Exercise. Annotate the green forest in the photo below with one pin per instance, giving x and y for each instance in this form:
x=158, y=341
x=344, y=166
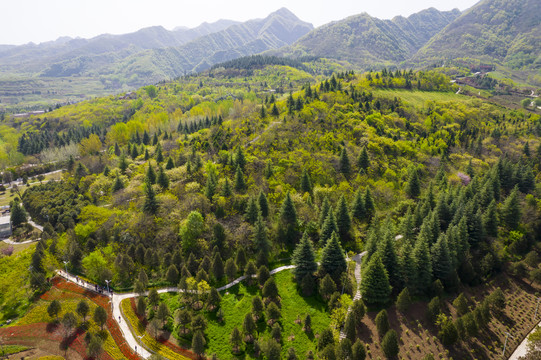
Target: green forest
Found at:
x=259, y=164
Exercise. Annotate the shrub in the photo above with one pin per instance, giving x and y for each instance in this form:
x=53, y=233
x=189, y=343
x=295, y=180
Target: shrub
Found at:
x=382, y=323
x=389, y=344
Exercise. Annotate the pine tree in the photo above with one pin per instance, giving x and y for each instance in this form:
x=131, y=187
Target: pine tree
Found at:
x=240, y=259
x=218, y=267
x=369, y=206
x=123, y=164
x=490, y=220
x=150, y=175
x=527, y=149
x=329, y=227
x=118, y=185
x=249, y=327
x=389, y=344
x=413, y=187
x=231, y=269
x=147, y=155
x=268, y=169
x=350, y=327
x=18, y=215
x=511, y=213
x=324, y=211
x=327, y=287
x=358, y=351
x=134, y=152
x=304, y=258
x=382, y=323
x=226, y=191
x=344, y=166
x=373, y=238
x=263, y=204
x=403, y=301
x=198, y=343
x=240, y=158
x=261, y=240
x=343, y=219
x=461, y=304
x=146, y=138
x=288, y=218
x=389, y=257
x=163, y=180
x=170, y=164
x=274, y=111
x=363, y=162
x=333, y=260
x=375, y=287
x=423, y=266
x=214, y=299
x=288, y=213
x=240, y=184
x=441, y=260
x=159, y=154
x=270, y=290
x=357, y=207
x=306, y=183
x=252, y=210
x=151, y=204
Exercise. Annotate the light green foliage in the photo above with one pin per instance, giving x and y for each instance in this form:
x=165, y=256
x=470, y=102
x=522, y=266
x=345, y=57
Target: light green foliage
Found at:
x=191, y=229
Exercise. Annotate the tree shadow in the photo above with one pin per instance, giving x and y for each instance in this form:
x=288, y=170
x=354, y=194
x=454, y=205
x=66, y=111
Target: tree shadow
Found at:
x=67, y=341
x=52, y=326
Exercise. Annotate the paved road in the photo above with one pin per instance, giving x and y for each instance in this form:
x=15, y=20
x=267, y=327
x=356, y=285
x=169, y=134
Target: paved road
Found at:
x=11, y=242
x=522, y=349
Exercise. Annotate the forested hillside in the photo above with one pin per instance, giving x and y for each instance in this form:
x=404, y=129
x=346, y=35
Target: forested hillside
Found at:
x=492, y=30
x=365, y=41
x=256, y=164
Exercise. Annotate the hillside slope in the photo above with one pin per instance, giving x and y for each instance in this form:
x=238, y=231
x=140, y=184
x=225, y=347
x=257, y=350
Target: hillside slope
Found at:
x=505, y=30
x=279, y=29
x=365, y=41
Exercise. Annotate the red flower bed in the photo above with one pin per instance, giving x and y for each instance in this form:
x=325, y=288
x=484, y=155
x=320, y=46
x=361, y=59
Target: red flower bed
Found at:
x=167, y=343
x=27, y=335
x=102, y=301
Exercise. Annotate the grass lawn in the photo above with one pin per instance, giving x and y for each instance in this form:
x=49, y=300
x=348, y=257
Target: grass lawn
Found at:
x=14, y=288
x=418, y=98
x=237, y=302
x=12, y=349
x=16, y=248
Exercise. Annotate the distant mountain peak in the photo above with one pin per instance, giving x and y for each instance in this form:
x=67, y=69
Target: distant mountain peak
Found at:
x=286, y=13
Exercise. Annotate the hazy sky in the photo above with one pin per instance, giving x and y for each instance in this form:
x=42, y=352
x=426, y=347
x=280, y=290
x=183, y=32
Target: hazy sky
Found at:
x=23, y=21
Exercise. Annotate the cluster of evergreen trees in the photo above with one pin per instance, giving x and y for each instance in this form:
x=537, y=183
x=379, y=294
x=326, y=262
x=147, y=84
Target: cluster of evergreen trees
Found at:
x=447, y=238
x=31, y=143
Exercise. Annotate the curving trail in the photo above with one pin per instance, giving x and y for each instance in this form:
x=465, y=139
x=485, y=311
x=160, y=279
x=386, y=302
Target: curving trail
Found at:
x=522, y=349
x=358, y=262
x=116, y=299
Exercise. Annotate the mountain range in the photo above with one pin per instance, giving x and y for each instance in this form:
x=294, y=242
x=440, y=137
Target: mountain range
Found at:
x=152, y=54
x=366, y=41
x=507, y=32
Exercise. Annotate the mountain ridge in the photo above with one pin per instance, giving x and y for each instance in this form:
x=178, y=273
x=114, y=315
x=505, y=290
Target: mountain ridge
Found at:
x=508, y=31
x=365, y=40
